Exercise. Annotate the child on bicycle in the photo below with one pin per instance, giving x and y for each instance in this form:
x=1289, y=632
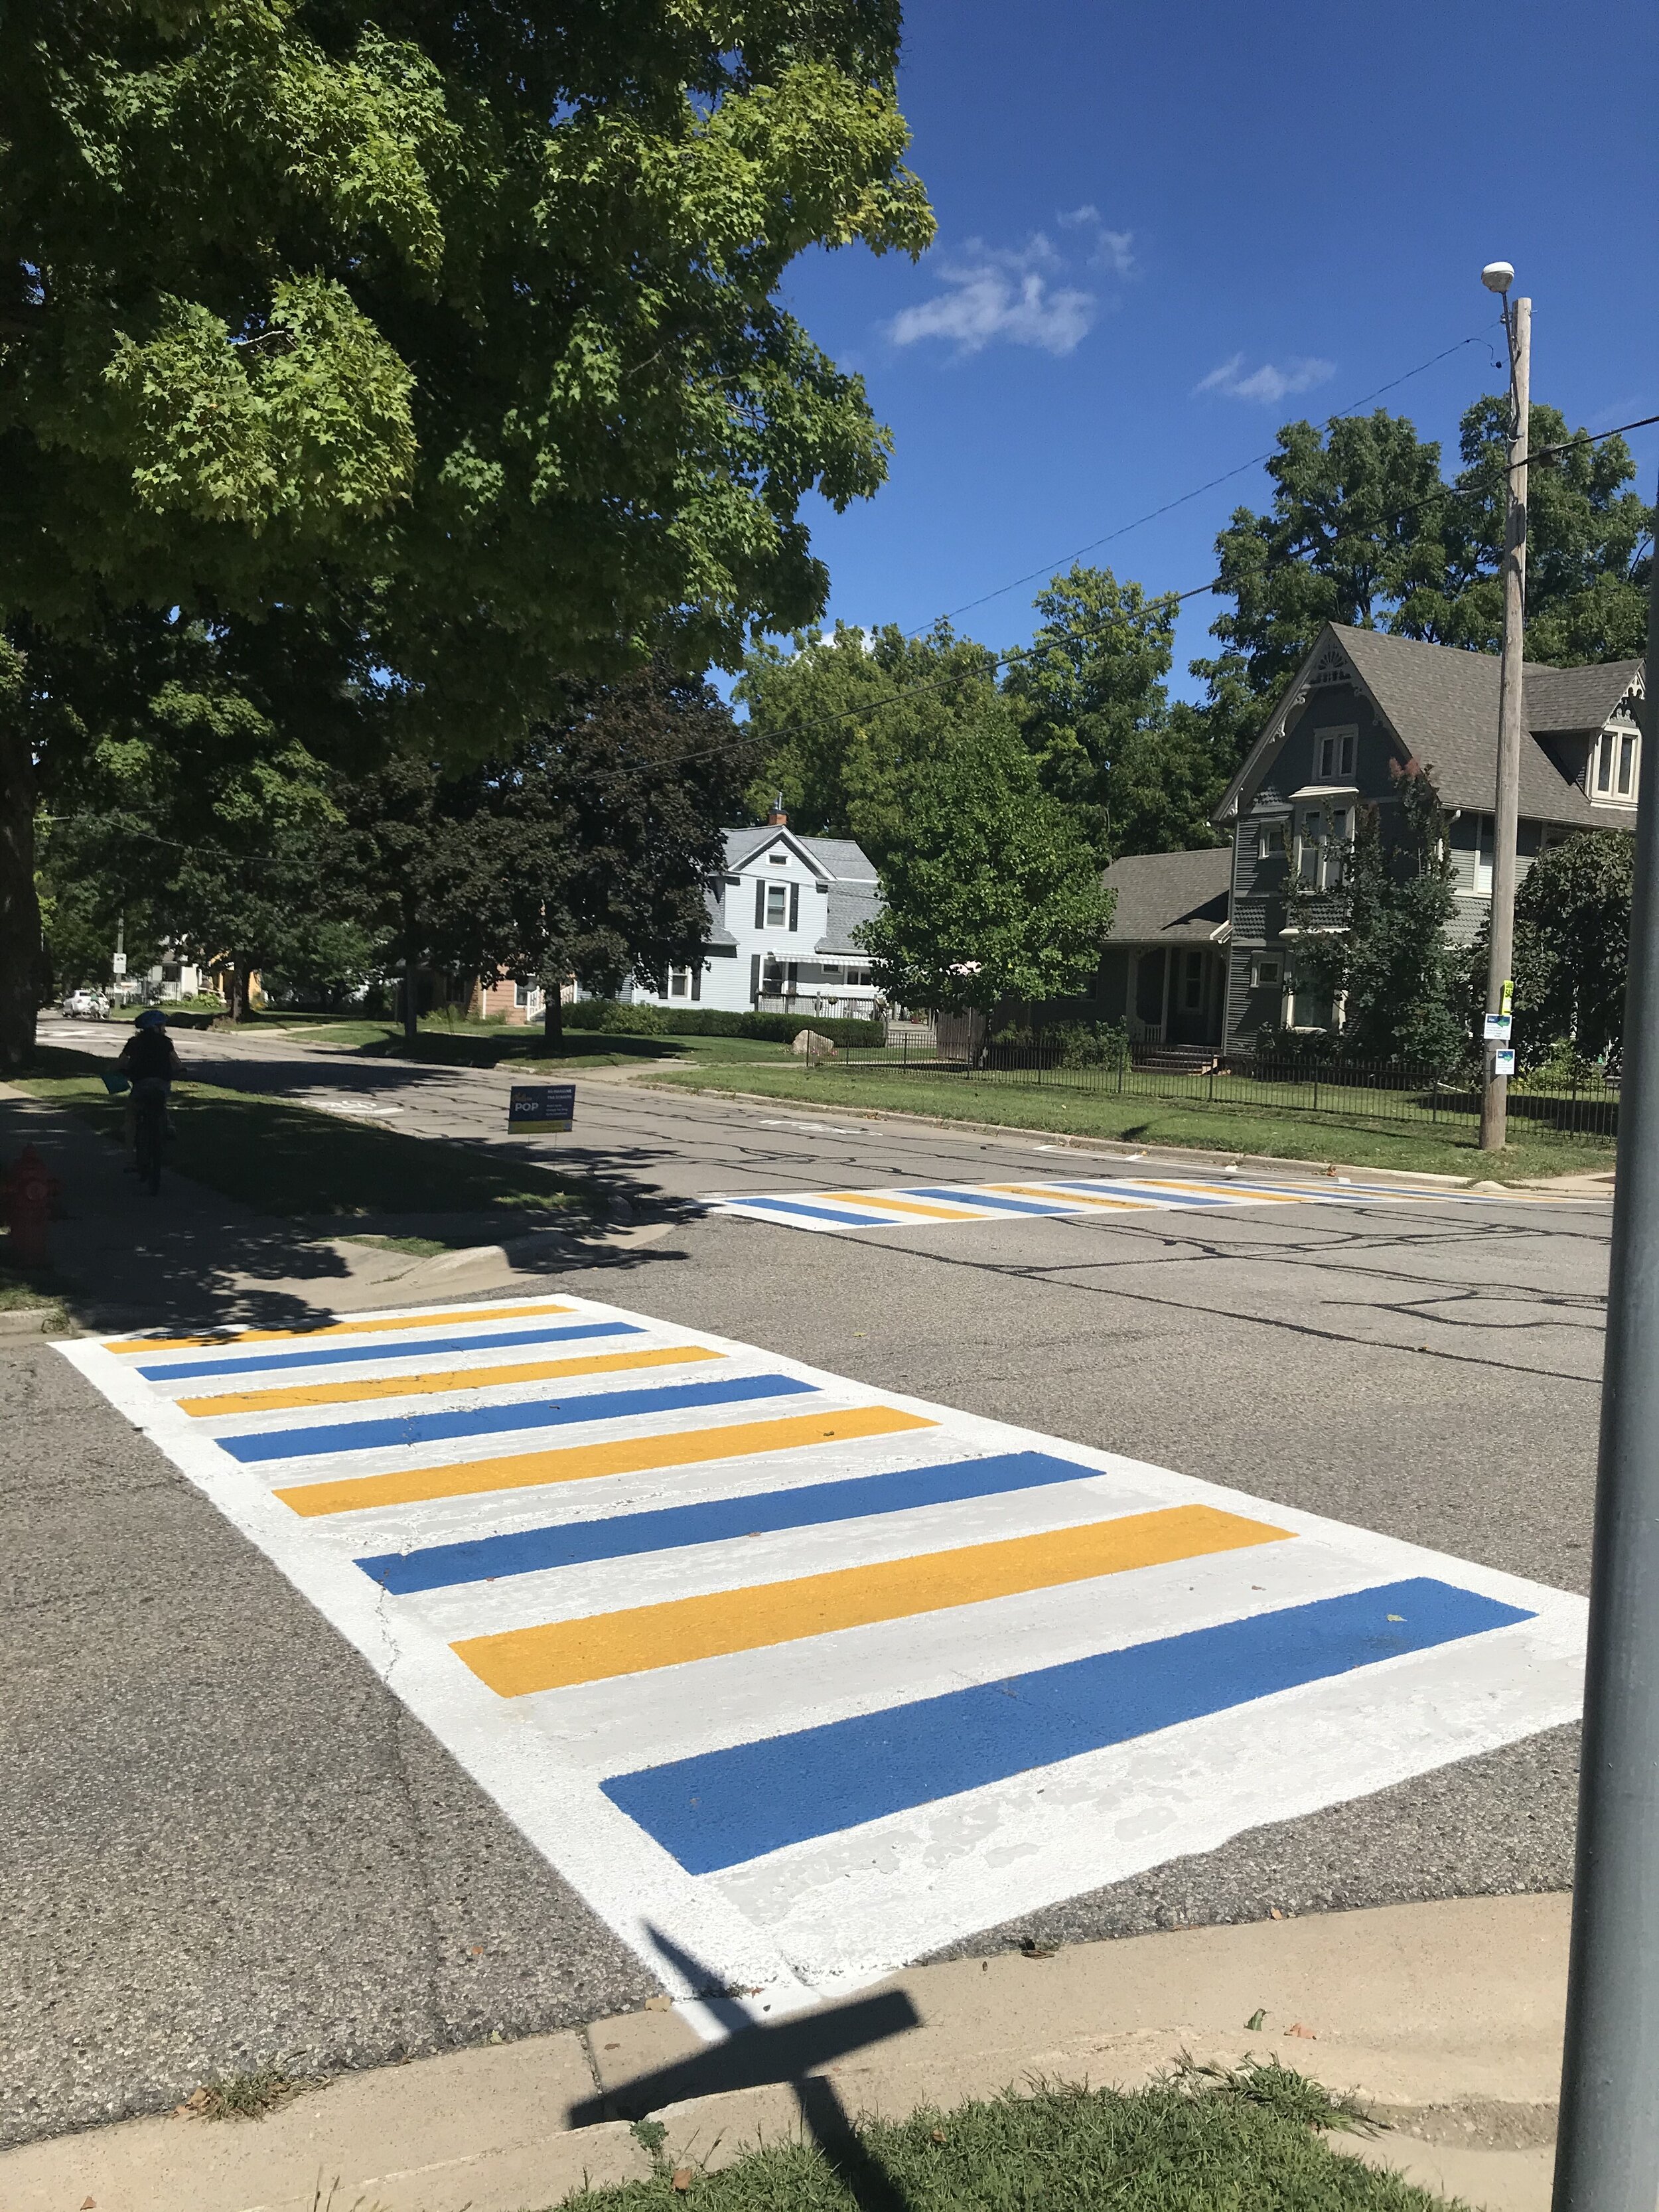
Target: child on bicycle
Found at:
x=150, y=1063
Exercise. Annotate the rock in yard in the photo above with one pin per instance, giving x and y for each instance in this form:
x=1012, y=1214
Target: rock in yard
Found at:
x=810, y=1046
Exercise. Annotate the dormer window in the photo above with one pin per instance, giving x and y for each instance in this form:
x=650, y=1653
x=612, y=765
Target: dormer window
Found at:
x=1615, y=766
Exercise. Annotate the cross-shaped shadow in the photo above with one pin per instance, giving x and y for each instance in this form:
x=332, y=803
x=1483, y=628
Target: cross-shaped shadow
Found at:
x=757, y=2054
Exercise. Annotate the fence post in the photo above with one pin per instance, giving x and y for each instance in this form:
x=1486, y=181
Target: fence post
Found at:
x=1211, y=1089
x=1315, y=1104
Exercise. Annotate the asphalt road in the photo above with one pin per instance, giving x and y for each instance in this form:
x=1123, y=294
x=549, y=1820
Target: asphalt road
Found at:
x=227, y=1843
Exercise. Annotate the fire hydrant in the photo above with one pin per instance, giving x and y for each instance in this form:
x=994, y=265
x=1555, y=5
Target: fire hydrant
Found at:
x=26, y=1191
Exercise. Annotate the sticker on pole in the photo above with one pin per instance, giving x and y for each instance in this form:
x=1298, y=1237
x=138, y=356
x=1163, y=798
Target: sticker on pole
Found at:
x=1503, y=1061
x=1498, y=1027
x=547, y=1106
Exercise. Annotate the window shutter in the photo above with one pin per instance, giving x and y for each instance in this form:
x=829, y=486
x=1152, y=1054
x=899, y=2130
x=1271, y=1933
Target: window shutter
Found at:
x=760, y=903
x=794, y=906
x=753, y=979
x=696, y=984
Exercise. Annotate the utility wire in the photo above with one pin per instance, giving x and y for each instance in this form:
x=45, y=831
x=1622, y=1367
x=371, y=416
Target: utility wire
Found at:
x=1050, y=567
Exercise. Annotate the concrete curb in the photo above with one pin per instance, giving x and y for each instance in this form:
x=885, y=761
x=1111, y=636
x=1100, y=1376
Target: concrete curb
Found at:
x=1161, y=1155
x=1445, y=2018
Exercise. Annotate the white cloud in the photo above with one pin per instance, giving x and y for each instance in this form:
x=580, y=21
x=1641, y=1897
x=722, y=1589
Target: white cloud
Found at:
x=1269, y=383
x=1110, y=248
x=995, y=293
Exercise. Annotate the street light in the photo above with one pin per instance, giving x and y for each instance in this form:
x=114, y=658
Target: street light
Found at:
x=1497, y=277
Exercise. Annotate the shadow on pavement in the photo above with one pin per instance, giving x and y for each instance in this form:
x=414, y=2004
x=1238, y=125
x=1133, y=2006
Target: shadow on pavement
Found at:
x=757, y=2056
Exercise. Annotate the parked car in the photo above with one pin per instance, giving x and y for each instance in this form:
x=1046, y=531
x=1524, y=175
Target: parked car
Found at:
x=86, y=1005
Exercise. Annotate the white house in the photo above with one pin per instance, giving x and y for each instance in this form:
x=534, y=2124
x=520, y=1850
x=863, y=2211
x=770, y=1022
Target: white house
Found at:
x=782, y=924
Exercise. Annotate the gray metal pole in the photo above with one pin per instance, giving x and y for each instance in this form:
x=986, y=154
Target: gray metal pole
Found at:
x=1494, y=1100
x=1607, y=2153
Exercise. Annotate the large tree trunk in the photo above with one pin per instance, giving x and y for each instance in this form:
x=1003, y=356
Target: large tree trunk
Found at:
x=553, y=1016
x=20, y=910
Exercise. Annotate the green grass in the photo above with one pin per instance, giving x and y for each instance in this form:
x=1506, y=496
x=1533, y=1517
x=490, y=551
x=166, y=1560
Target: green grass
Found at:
x=1256, y=1129
x=1248, y=2141
x=285, y=1159
x=418, y=1247
x=245, y=2096
x=22, y=1291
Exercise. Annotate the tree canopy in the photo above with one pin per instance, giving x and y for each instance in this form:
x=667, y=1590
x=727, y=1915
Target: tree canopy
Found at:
x=458, y=324
x=994, y=893
x=1573, y=947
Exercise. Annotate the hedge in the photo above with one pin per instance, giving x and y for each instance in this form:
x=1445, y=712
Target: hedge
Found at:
x=647, y=1020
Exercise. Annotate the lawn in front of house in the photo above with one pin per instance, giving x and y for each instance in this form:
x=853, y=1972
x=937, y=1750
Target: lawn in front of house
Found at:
x=1450, y=1149
x=1205, y=2141
x=291, y=1160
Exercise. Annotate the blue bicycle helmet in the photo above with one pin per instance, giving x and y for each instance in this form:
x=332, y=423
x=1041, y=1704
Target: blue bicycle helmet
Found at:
x=151, y=1018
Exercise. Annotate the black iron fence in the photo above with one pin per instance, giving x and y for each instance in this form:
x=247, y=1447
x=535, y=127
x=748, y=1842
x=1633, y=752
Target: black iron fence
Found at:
x=1577, y=1103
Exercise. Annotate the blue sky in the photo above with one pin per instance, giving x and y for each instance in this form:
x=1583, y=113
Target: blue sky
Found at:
x=1163, y=230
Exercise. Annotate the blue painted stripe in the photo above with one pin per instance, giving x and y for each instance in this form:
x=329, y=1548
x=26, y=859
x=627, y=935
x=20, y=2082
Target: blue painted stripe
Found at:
x=671, y=1527
x=182, y=1370
x=724, y=1807
x=820, y=1212
x=493, y=1420
x=983, y=1198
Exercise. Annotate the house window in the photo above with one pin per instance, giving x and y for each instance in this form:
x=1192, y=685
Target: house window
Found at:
x=1604, y=758
x=1629, y=752
x=1265, y=972
x=777, y=905
x=1311, y=849
x=778, y=860
x=1336, y=859
x=1483, y=847
x=859, y=975
x=679, y=984
x=1192, y=983
x=521, y=994
x=1270, y=840
x=1334, y=753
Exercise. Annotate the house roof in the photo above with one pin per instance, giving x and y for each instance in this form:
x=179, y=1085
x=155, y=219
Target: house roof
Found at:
x=837, y=858
x=1442, y=703
x=849, y=904
x=1170, y=899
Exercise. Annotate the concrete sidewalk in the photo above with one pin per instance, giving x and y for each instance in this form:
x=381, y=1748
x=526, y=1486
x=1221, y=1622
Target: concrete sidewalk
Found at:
x=188, y=1258
x=1444, y=2018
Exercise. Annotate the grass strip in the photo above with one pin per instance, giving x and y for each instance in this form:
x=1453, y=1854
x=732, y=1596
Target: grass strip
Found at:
x=1295, y=1136
x=286, y=1159
x=1202, y=2140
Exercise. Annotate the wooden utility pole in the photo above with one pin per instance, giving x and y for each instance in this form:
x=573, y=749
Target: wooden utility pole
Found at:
x=1494, y=1100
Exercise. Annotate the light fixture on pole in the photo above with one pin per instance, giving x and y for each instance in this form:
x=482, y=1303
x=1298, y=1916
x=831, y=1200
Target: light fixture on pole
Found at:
x=1497, y=277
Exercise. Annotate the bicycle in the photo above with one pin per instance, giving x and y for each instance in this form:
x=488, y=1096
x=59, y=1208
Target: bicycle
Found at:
x=149, y=1129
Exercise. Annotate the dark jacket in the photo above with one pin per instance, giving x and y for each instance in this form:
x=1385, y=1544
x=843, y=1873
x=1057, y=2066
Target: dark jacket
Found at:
x=149, y=1053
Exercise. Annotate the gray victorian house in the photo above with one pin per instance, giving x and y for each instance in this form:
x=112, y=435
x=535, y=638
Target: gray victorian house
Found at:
x=1203, y=947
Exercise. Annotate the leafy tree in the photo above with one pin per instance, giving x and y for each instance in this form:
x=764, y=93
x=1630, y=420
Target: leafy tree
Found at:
x=845, y=721
x=1364, y=530
x=458, y=317
x=1572, y=946
x=994, y=893
x=1379, y=943
x=599, y=840
x=1142, y=776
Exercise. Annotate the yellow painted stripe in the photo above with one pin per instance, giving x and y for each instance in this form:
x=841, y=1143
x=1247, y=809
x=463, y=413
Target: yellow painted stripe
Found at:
x=1224, y=1190
x=584, y=1462
x=1074, y=1197
x=458, y=1378
x=902, y=1205
x=231, y=1336
x=557, y=1654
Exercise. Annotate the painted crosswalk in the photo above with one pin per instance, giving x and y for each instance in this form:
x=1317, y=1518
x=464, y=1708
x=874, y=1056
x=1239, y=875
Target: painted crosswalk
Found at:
x=926, y=1206
x=804, y=1680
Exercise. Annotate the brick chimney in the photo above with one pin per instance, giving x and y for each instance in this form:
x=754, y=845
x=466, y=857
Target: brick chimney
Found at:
x=777, y=820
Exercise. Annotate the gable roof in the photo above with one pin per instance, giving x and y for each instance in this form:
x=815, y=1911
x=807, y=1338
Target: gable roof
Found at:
x=838, y=859
x=849, y=904
x=1170, y=899
x=1442, y=703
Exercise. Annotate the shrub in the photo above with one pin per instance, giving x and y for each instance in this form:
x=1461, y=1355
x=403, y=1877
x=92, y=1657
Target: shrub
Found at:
x=647, y=1020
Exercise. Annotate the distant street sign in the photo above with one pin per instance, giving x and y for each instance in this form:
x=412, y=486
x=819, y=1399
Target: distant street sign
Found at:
x=119, y=964
x=541, y=1106
x=1498, y=1028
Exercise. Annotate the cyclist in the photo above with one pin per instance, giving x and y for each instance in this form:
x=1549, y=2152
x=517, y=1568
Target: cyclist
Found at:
x=151, y=1065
